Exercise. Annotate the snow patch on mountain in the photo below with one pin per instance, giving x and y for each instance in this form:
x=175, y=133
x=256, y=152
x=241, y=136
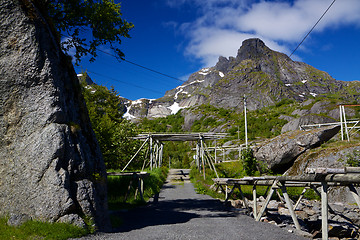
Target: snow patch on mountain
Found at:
x=175, y=108
x=204, y=71
x=127, y=115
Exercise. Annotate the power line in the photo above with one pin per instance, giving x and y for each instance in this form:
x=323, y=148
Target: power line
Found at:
x=312, y=28
x=141, y=66
x=117, y=80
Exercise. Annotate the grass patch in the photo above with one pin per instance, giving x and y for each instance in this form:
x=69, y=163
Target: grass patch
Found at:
x=40, y=230
x=118, y=188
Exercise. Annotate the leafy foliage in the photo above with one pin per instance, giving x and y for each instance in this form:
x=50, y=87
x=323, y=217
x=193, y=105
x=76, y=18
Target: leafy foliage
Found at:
x=262, y=123
x=73, y=17
x=112, y=131
x=249, y=161
x=171, y=123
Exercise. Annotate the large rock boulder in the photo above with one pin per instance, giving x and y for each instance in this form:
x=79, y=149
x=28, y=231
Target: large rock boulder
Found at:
x=280, y=152
x=310, y=119
x=335, y=156
x=51, y=166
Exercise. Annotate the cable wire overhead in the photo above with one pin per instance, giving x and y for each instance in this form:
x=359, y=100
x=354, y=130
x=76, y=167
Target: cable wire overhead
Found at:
x=312, y=28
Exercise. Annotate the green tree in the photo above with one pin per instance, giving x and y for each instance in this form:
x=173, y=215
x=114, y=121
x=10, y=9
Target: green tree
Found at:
x=102, y=18
x=112, y=131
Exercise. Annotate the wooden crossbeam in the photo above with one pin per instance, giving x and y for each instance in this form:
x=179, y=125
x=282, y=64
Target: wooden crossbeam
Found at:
x=320, y=177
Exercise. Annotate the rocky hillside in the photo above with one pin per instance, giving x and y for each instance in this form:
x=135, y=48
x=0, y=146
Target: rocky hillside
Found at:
x=264, y=75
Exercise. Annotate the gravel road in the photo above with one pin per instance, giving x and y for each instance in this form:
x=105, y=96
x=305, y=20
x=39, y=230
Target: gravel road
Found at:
x=181, y=213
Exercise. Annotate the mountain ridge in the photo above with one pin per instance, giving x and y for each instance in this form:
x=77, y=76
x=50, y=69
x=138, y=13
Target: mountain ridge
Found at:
x=263, y=75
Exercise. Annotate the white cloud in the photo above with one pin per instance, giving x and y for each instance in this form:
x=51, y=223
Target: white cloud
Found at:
x=223, y=24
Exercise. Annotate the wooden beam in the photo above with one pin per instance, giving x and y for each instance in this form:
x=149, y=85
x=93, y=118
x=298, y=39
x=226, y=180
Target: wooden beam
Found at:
x=263, y=208
x=134, y=155
x=300, y=197
x=324, y=211
x=290, y=207
x=254, y=201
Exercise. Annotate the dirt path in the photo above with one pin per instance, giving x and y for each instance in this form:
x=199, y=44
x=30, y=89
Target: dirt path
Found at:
x=181, y=213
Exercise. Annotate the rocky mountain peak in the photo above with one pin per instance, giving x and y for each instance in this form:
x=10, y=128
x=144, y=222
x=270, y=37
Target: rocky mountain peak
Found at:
x=252, y=48
x=264, y=75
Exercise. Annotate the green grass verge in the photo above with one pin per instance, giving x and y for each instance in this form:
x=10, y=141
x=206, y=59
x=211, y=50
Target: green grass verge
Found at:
x=40, y=230
x=118, y=188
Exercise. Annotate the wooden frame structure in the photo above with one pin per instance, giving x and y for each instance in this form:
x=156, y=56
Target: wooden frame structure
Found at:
x=156, y=140
x=348, y=128
x=319, y=177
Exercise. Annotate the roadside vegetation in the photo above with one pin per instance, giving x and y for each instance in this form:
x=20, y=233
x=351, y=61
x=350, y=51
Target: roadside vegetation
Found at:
x=122, y=195
x=40, y=230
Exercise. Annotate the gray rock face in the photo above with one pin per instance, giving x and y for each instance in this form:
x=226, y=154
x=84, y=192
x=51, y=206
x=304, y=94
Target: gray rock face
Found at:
x=331, y=158
x=50, y=161
x=296, y=123
x=280, y=152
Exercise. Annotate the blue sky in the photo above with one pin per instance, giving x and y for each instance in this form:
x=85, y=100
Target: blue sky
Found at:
x=179, y=37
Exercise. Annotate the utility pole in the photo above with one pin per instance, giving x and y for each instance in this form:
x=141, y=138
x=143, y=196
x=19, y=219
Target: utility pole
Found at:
x=246, y=138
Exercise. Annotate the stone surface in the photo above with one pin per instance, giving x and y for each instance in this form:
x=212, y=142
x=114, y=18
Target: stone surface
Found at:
x=72, y=219
x=280, y=152
x=17, y=219
x=309, y=119
x=50, y=161
x=334, y=157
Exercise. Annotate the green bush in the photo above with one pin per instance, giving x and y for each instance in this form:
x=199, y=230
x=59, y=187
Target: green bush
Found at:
x=249, y=161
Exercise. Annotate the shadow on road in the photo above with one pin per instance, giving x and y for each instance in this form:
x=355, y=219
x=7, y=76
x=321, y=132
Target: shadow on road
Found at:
x=171, y=212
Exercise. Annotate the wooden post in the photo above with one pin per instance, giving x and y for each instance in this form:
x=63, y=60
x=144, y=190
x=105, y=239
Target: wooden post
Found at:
x=198, y=155
x=141, y=188
x=345, y=124
x=324, y=210
x=215, y=152
x=202, y=154
x=290, y=206
x=226, y=193
x=246, y=139
x=341, y=124
x=155, y=152
x=263, y=208
x=301, y=196
x=161, y=154
x=254, y=201
x=243, y=197
x=282, y=200
x=135, y=155
x=151, y=152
